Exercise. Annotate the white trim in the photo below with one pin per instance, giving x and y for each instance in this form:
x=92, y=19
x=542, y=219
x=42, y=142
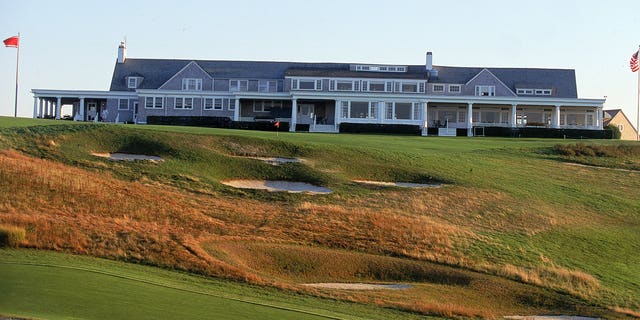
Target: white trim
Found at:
x=433, y=87
x=183, y=103
x=493, y=75
x=120, y=104
x=197, y=84
x=135, y=82
x=153, y=103
x=185, y=67
x=459, y=86
x=238, y=83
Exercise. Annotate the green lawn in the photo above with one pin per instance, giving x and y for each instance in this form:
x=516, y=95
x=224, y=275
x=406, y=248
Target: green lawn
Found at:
x=57, y=286
x=591, y=216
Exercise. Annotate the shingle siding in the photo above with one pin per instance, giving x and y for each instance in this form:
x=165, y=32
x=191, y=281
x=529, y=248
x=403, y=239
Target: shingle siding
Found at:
x=486, y=78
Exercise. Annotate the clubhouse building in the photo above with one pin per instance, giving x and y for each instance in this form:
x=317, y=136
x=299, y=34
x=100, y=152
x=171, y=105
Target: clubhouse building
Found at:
x=323, y=97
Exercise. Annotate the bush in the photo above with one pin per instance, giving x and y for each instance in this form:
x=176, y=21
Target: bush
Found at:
x=211, y=122
x=615, y=131
x=380, y=128
x=11, y=236
x=581, y=149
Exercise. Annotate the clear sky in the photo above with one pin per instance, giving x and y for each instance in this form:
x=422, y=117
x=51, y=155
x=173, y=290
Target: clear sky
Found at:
x=73, y=44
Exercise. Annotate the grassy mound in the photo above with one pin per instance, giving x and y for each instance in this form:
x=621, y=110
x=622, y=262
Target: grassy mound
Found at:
x=512, y=208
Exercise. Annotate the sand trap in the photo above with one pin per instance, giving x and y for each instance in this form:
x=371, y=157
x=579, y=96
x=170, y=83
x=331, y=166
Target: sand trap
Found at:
x=287, y=186
x=276, y=161
x=399, y=184
x=358, y=286
x=549, y=318
x=598, y=167
x=127, y=157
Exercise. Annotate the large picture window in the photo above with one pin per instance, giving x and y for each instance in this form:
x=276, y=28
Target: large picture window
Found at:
x=306, y=84
x=488, y=91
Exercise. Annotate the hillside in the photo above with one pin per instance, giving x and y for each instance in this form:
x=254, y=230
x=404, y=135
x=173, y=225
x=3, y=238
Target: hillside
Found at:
x=515, y=227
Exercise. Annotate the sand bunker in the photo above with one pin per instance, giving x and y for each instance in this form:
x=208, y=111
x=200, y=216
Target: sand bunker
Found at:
x=287, y=186
x=276, y=161
x=399, y=184
x=127, y=157
x=358, y=286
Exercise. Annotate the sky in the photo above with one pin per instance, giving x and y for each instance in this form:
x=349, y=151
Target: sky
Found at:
x=73, y=44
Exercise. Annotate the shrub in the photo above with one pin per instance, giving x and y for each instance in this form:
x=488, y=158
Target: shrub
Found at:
x=615, y=131
x=11, y=236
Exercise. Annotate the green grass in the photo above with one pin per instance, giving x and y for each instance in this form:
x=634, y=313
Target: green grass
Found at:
x=576, y=217
x=58, y=286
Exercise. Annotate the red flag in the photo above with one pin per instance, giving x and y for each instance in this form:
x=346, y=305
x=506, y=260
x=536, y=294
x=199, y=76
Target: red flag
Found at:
x=12, y=42
x=633, y=63
x=277, y=124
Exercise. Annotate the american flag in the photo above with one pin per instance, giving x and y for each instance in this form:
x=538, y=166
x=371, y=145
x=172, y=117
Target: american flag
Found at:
x=633, y=63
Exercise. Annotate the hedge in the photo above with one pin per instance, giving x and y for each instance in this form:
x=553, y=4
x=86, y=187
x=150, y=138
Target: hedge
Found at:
x=380, y=128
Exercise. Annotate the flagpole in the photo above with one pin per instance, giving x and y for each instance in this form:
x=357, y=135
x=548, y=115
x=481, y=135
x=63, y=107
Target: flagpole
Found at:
x=15, y=112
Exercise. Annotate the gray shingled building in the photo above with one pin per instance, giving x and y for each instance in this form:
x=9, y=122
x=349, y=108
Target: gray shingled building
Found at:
x=320, y=97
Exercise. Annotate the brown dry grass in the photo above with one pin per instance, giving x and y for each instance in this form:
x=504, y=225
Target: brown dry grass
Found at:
x=79, y=211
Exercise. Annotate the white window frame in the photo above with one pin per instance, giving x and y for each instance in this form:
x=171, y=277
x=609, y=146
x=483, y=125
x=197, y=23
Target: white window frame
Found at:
x=156, y=102
x=130, y=84
x=191, y=84
x=267, y=86
x=232, y=104
x=317, y=84
x=387, y=85
x=543, y=92
x=183, y=103
x=440, y=87
x=524, y=91
x=334, y=85
x=207, y=103
x=240, y=85
x=390, y=111
x=400, y=86
x=489, y=90
x=120, y=104
x=457, y=86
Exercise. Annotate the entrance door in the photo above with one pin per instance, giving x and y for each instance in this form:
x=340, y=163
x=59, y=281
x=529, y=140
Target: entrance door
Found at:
x=305, y=113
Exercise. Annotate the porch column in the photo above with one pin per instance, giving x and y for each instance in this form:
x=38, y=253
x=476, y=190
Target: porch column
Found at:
x=41, y=107
x=425, y=118
x=47, y=107
x=336, y=115
x=81, y=111
x=58, y=108
x=380, y=109
x=35, y=107
x=556, y=117
x=470, y=120
x=236, y=110
x=514, y=115
x=599, y=124
x=294, y=114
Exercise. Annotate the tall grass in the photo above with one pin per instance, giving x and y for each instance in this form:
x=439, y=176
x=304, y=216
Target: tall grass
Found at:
x=11, y=236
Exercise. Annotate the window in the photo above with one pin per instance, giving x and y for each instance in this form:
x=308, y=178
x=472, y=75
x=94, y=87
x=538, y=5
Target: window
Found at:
x=376, y=86
x=231, y=104
x=411, y=87
x=621, y=127
x=543, y=92
x=306, y=84
x=537, y=92
x=208, y=104
x=267, y=86
x=438, y=88
x=344, y=85
x=183, y=103
x=403, y=111
x=238, y=85
x=377, y=68
x=265, y=105
x=344, y=109
x=132, y=82
x=485, y=91
x=455, y=88
x=153, y=103
x=123, y=104
x=192, y=84
x=524, y=91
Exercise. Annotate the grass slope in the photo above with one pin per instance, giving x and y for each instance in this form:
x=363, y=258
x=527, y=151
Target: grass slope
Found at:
x=512, y=207
x=57, y=286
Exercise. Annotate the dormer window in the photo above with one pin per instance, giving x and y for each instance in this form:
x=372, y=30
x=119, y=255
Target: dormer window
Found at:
x=192, y=84
x=486, y=91
x=132, y=82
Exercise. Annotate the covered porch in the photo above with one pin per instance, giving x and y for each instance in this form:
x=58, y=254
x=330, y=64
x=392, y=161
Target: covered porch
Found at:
x=78, y=105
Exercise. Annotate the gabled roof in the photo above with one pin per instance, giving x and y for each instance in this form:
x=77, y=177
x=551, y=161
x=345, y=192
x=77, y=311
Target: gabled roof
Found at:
x=563, y=81
x=610, y=114
x=158, y=71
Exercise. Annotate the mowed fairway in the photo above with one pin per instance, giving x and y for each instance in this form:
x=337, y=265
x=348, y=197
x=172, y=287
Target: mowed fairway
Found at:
x=56, y=286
